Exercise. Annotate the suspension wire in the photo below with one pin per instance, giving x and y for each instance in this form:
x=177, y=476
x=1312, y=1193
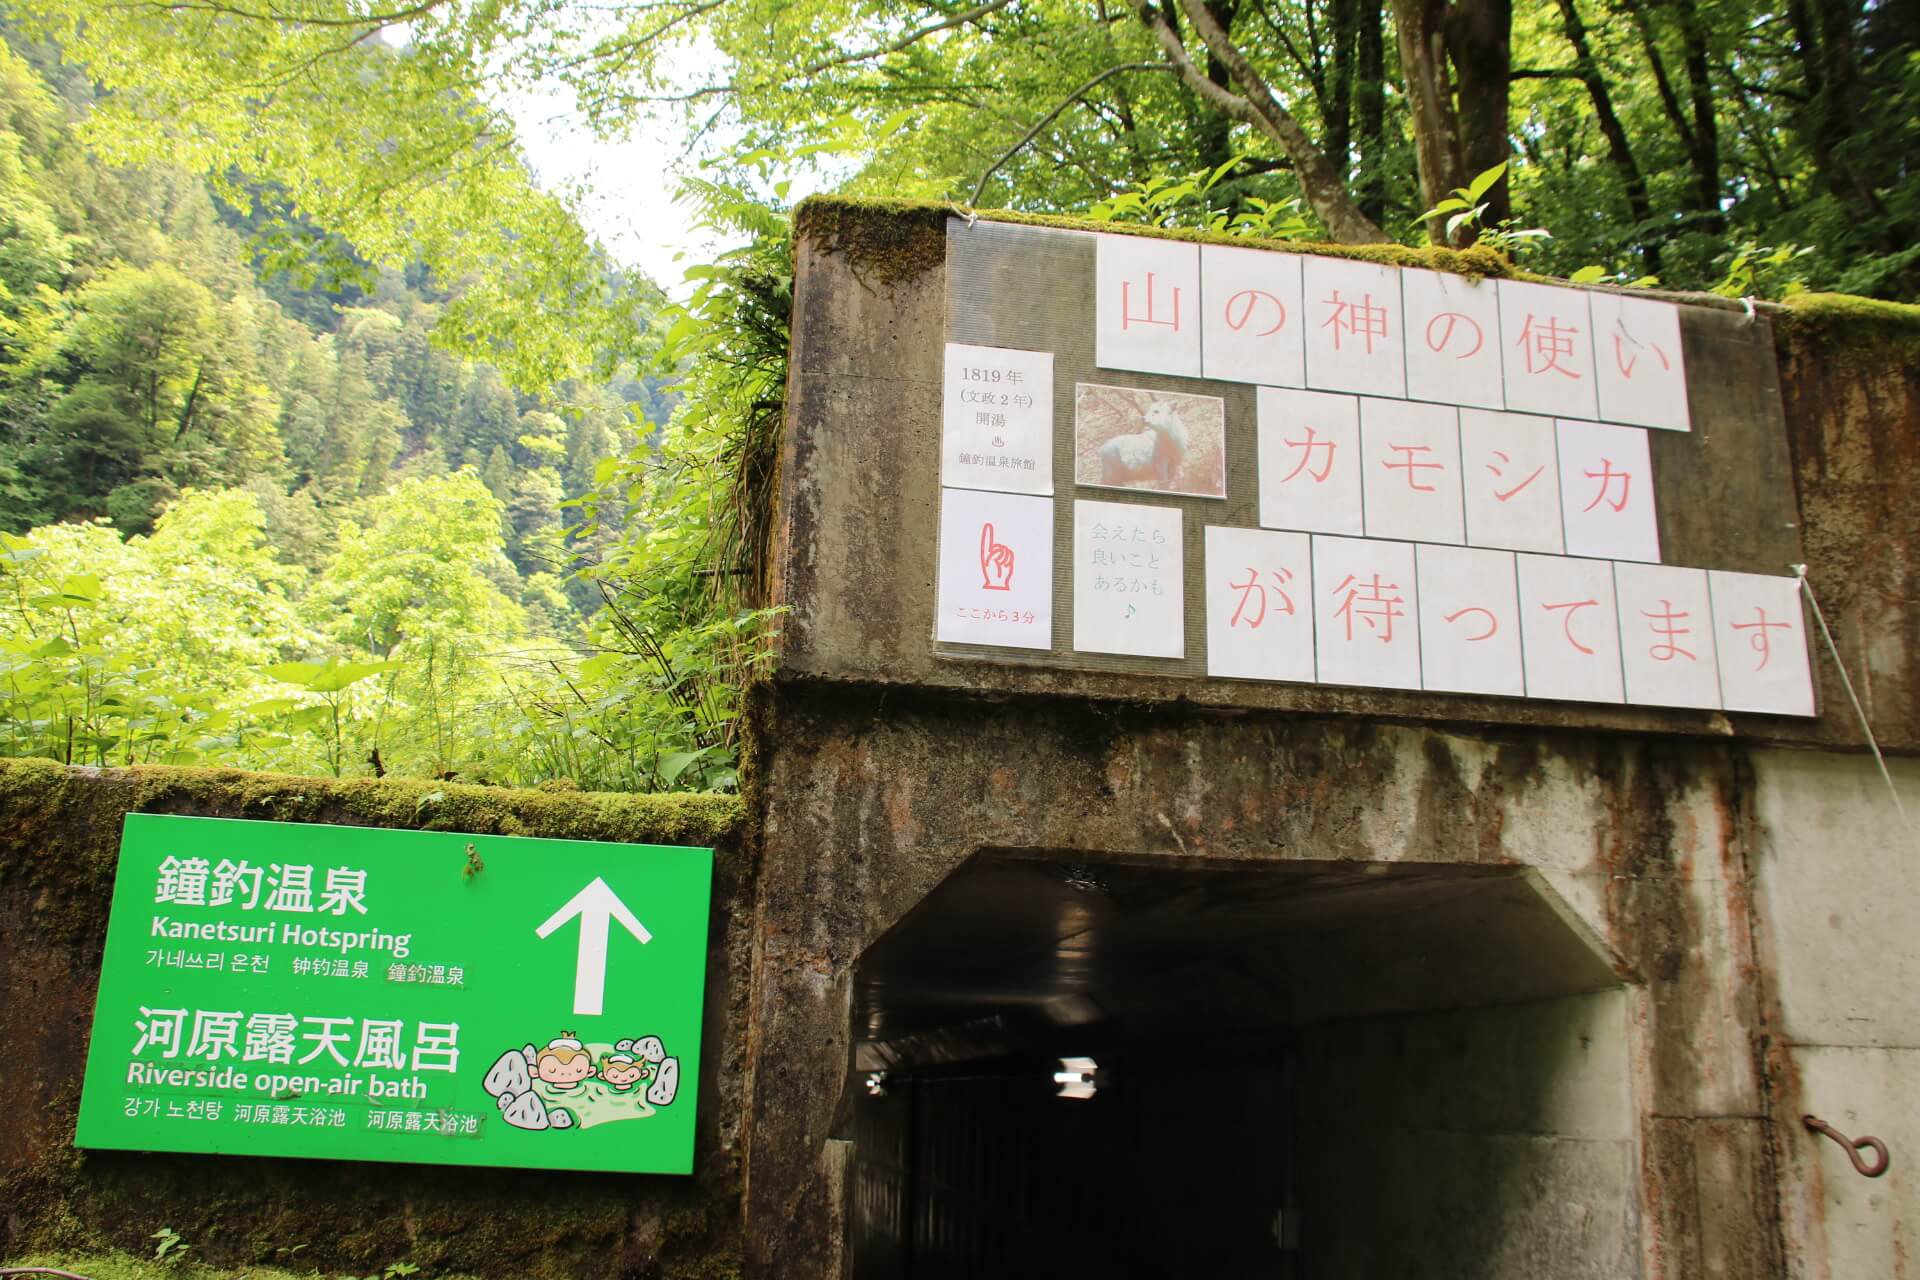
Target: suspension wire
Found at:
x=1846, y=681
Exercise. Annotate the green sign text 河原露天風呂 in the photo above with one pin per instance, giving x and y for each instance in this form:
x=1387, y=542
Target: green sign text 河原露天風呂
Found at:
x=356, y=993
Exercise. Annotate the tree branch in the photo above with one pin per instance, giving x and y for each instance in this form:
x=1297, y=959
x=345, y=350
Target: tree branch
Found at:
x=286, y=19
x=1229, y=104
x=1053, y=115
x=799, y=73
x=911, y=38
x=1325, y=189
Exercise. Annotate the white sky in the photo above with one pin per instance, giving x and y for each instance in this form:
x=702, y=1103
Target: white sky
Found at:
x=628, y=186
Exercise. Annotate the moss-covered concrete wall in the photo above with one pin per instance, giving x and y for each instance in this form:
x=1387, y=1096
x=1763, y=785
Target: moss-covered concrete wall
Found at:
x=886, y=766
x=1850, y=384
x=59, y=836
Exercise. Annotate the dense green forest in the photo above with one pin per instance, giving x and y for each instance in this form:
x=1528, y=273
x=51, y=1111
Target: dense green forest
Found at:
x=256, y=516
x=329, y=440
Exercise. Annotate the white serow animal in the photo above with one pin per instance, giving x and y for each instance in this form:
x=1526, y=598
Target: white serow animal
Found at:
x=1152, y=457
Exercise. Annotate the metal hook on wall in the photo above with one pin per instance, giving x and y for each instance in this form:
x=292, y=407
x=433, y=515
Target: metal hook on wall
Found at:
x=1854, y=1146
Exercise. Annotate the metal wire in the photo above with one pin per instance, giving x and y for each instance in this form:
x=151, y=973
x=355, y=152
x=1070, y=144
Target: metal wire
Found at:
x=1846, y=681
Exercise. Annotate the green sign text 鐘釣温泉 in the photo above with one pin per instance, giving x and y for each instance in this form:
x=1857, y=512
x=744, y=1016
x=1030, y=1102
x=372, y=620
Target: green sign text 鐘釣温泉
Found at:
x=357, y=993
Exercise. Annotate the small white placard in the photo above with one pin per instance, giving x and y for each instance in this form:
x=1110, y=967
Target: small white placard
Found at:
x=1366, y=613
x=1453, y=338
x=1760, y=638
x=1410, y=464
x=1666, y=636
x=1469, y=622
x=1127, y=582
x=1546, y=349
x=1606, y=492
x=1147, y=305
x=1642, y=379
x=1308, y=454
x=998, y=420
x=1354, y=327
x=1511, y=470
x=1569, y=628
x=1251, y=329
x=1259, y=591
x=996, y=569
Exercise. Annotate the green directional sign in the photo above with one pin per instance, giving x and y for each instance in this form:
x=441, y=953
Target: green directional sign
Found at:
x=353, y=993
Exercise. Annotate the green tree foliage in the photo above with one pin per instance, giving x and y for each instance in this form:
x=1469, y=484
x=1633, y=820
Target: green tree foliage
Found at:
x=1654, y=136
x=503, y=569
x=385, y=145
x=144, y=649
x=245, y=537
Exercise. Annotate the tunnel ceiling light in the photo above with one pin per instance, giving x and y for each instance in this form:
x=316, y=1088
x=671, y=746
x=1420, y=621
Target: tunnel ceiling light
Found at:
x=876, y=1084
x=1077, y=1077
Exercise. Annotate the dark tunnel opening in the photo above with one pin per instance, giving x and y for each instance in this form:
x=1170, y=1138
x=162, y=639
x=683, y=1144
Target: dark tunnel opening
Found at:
x=1294, y=1069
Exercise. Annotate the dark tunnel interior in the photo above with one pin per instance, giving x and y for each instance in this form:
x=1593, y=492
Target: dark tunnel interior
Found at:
x=1297, y=1069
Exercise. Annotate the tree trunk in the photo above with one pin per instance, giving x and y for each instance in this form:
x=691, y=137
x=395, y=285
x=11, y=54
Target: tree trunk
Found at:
x=1618, y=149
x=1336, y=106
x=1420, y=25
x=1370, y=110
x=1325, y=187
x=1480, y=45
x=1216, y=130
x=1700, y=141
x=1705, y=147
x=1826, y=32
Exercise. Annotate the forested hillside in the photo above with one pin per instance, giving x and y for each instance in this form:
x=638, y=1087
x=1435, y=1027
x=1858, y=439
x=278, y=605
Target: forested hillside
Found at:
x=253, y=515
x=324, y=440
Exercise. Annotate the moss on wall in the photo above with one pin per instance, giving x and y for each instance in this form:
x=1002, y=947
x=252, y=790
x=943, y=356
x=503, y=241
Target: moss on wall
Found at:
x=348, y=1217
x=60, y=826
x=59, y=839
x=117, y=1265
x=1850, y=391
x=895, y=240
x=1859, y=334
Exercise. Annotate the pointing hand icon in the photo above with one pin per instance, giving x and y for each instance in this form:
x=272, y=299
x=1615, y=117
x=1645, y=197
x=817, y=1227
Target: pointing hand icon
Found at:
x=996, y=562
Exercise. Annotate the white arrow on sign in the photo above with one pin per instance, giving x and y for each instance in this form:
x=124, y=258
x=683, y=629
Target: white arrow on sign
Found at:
x=597, y=906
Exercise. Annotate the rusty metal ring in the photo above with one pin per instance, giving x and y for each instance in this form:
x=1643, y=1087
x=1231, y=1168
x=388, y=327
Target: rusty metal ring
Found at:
x=1853, y=1147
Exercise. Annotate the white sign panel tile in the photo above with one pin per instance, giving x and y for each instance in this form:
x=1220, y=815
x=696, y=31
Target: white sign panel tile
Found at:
x=1127, y=580
x=1666, y=636
x=1641, y=377
x=1410, y=464
x=1469, y=621
x=1252, y=327
x=1760, y=638
x=1606, y=492
x=1354, y=333
x=1147, y=305
x=1453, y=338
x=998, y=420
x=1259, y=593
x=996, y=569
x=1366, y=613
x=1546, y=349
x=1308, y=454
x=1569, y=629
x=1511, y=472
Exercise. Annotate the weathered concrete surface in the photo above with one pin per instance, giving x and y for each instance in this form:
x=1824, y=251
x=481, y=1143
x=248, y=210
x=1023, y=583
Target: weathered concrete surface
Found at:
x=1806, y=423
x=59, y=841
x=1850, y=376
x=1837, y=879
x=872, y=797
x=856, y=525
x=1427, y=1133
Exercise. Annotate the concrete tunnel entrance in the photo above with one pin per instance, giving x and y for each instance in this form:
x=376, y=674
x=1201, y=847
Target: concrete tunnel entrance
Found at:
x=1305, y=1070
